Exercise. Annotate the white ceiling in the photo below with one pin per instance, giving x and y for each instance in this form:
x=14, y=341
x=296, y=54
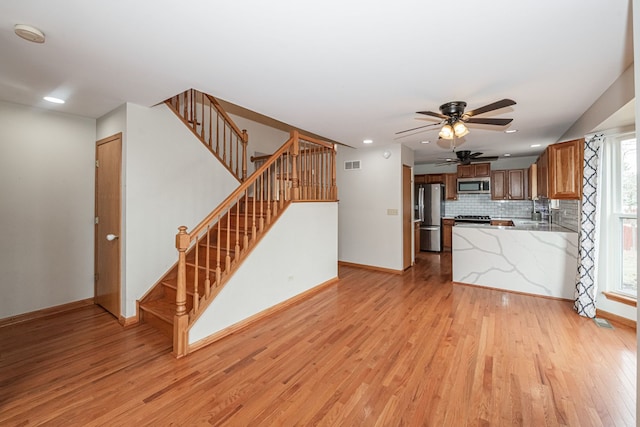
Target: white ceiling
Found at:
x=346, y=70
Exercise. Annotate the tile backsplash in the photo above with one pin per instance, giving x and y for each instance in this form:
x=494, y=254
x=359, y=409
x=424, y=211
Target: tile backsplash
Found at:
x=566, y=215
x=481, y=204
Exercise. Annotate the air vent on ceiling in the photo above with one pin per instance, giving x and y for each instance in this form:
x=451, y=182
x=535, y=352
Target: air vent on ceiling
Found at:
x=351, y=165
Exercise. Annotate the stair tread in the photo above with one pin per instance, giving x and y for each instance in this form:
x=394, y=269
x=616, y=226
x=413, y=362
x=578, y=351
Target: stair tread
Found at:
x=163, y=309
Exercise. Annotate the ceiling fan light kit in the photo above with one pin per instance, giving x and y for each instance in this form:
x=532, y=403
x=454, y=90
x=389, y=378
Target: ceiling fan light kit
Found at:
x=454, y=118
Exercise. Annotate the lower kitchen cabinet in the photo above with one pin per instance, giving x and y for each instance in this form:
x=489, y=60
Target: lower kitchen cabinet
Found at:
x=447, y=231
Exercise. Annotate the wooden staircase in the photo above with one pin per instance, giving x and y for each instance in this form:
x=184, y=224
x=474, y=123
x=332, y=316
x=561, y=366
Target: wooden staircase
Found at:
x=214, y=260
x=302, y=169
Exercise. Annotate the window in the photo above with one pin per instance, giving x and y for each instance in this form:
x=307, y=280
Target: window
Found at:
x=619, y=215
x=627, y=218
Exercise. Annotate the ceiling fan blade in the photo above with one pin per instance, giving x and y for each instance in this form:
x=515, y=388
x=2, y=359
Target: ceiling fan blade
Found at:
x=431, y=113
x=476, y=154
x=490, y=107
x=419, y=127
x=487, y=121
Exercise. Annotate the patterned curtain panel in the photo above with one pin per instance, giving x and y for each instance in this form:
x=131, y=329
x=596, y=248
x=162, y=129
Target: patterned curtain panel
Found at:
x=586, y=279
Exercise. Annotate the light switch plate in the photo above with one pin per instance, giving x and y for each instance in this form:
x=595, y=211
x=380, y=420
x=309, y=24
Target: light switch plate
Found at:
x=392, y=211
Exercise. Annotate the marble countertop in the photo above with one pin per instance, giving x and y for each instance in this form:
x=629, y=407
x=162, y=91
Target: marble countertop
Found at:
x=522, y=224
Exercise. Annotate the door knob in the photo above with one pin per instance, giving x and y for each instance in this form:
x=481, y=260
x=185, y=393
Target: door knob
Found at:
x=111, y=237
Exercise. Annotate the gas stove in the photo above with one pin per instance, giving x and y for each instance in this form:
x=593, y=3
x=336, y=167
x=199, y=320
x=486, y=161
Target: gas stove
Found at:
x=474, y=219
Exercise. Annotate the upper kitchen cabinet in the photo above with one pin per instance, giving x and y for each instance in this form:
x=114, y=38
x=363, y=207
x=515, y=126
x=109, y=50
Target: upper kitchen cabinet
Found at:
x=433, y=178
x=532, y=193
x=419, y=179
x=559, y=170
x=450, y=186
x=509, y=184
x=474, y=170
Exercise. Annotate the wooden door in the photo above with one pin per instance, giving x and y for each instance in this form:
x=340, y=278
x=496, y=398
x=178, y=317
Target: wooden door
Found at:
x=108, y=220
x=407, y=209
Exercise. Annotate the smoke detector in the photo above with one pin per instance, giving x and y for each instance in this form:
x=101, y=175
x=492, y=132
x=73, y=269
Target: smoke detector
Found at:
x=29, y=33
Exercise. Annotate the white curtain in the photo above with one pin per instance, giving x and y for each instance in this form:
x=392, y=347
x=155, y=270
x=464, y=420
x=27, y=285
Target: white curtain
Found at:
x=596, y=176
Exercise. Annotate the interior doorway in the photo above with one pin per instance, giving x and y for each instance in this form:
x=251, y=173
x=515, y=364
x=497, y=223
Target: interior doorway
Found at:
x=108, y=223
x=407, y=230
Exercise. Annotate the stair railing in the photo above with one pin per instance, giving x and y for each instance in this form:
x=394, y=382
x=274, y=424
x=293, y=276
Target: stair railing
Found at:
x=303, y=169
x=206, y=118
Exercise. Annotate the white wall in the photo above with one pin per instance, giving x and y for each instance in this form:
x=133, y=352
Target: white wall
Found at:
x=368, y=235
x=298, y=253
x=46, y=212
x=613, y=99
x=171, y=180
x=262, y=138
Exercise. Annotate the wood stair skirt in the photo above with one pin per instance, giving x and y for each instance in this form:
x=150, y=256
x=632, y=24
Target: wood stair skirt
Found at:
x=158, y=307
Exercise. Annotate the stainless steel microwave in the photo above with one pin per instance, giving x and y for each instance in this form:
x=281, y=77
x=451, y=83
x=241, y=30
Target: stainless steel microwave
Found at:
x=474, y=185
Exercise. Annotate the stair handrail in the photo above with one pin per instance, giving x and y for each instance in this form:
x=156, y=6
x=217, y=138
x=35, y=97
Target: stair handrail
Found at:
x=190, y=107
x=288, y=163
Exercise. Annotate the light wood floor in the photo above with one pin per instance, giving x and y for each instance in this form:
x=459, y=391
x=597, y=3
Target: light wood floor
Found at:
x=375, y=349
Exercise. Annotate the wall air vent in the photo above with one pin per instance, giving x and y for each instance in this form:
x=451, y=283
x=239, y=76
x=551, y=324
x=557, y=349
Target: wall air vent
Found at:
x=351, y=165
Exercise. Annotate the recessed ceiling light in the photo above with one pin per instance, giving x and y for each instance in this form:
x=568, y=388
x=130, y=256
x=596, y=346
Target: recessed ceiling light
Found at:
x=535, y=145
x=368, y=141
x=425, y=142
x=54, y=100
x=511, y=131
x=507, y=155
x=29, y=33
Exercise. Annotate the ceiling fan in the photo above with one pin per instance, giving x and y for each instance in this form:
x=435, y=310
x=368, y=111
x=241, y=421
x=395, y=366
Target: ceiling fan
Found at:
x=453, y=118
x=466, y=157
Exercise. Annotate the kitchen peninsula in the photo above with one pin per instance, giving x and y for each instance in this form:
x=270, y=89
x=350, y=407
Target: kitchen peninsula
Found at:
x=531, y=257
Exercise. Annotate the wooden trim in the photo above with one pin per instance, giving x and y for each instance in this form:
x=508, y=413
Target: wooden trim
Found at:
x=614, y=317
x=370, y=267
x=260, y=316
x=514, y=292
x=127, y=322
x=45, y=312
x=622, y=299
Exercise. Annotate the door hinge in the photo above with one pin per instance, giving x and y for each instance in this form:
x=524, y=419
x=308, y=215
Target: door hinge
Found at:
x=97, y=221
x=95, y=277
x=97, y=164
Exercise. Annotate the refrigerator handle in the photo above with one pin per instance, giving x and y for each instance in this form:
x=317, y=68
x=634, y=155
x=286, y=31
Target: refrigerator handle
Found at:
x=421, y=203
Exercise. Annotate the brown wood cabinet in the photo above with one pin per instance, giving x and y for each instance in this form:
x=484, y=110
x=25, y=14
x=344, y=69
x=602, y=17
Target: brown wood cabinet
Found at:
x=559, y=170
x=503, y=222
x=419, y=179
x=565, y=169
x=450, y=186
x=447, y=234
x=474, y=170
x=434, y=178
x=532, y=193
x=509, y=184
x=542, y=167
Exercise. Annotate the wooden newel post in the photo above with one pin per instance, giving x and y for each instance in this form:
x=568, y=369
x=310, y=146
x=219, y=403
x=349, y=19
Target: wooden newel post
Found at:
x=295, y=183
x=334, y=182
x=181, y=319
x=245, y=142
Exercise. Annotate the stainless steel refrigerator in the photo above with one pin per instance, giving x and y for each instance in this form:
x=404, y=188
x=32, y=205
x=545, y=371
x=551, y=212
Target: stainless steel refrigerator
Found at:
x=429, y=209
